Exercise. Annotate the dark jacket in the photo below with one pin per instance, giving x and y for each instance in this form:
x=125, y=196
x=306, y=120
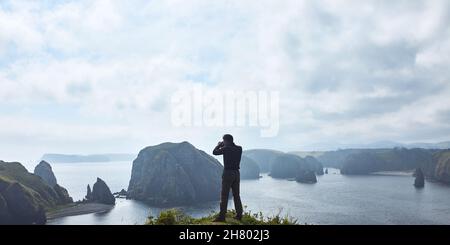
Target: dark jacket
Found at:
x=231, y=155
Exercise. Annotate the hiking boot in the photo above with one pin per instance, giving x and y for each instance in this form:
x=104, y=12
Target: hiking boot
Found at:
x=238, y=216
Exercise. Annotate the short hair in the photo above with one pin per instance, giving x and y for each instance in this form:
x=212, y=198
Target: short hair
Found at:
x=228, y=138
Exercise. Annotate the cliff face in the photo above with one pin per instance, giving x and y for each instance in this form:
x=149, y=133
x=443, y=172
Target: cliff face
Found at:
x=293, y=166
x=24, y=197
x=397, y=159
x=44, y=170
x=63, y=194
x=172, y=174
x=287, y=166
x=22, y=206
x=362, y=163
x=249, y=168
x=306, y=176
x=314, y=164
x=335, y=159
x=442, y=168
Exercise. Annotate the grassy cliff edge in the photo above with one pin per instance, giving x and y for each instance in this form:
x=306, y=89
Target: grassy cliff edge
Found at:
x=177, y=217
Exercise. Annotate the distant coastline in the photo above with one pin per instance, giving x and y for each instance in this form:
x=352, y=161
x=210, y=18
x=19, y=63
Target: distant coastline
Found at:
x=74, y=158
x=394, y=173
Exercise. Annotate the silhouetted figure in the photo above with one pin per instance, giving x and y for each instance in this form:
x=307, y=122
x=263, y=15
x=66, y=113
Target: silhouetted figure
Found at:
x=326, y=171
x=231, y=177
x=419, y=182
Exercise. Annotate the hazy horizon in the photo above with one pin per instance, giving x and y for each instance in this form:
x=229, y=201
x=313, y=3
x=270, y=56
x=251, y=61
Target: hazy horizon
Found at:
x=371, y=145
x=87, y=77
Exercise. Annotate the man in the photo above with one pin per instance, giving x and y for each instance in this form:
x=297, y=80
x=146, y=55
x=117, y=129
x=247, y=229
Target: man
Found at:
x=231, y=176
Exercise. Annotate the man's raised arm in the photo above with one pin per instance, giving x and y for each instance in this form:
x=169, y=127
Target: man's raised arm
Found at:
x=218, y=150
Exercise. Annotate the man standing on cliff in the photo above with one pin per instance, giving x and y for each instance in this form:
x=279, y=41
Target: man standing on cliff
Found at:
x=231, y=177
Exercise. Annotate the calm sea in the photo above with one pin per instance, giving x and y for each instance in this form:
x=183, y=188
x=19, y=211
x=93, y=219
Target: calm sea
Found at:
x=335, y=199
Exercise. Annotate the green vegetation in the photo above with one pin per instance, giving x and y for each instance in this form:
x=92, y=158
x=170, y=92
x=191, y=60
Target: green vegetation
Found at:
x=177, y=217
x=45, y=195
x=442, y=169
x=24, y=197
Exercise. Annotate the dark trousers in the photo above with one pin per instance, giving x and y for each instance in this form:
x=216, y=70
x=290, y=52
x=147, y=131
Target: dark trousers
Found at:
x=230, y=180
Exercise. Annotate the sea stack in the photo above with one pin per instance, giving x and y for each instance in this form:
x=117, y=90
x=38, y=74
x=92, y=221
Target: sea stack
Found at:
x=287, y=166
x=88, y=196
x=419, y=182
x=173, y=174
x=101, y=193
x=306, y=176
x=314, y=164
x=44, y=170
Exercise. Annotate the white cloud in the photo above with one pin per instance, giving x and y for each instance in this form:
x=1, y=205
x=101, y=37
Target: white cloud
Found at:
x=347, y=71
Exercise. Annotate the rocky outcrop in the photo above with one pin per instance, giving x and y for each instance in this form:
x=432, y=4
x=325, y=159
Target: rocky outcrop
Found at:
x=44, y=170
x=23, y=207
x=172, y=174
x=100, y=193
x=263, y=158
x=335, y=159
x=287, y=166
x=24, y=197
x=419, y=182
x=442, y=166
x=63, y=194
x=362, y=163
x=293, y=167
x=397, y=159
x=314, y=164
x=5, y=215
x=306, y=176
x=88, y=196
x=121, y=194
x=249, y=168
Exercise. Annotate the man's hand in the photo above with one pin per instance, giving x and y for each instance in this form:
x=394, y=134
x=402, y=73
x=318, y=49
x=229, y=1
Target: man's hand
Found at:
x=219, y=150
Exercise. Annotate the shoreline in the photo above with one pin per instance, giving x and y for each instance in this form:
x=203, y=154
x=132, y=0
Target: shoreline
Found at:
x=394, y=173
x=78, y=209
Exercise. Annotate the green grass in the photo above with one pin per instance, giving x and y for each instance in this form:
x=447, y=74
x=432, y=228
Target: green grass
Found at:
x=42, y=193
x=176, y=217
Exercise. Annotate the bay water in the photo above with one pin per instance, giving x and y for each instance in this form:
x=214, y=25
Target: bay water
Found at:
x=334, y=199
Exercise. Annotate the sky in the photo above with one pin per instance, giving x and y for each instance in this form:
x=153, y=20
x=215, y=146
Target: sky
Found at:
x=98, y=76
